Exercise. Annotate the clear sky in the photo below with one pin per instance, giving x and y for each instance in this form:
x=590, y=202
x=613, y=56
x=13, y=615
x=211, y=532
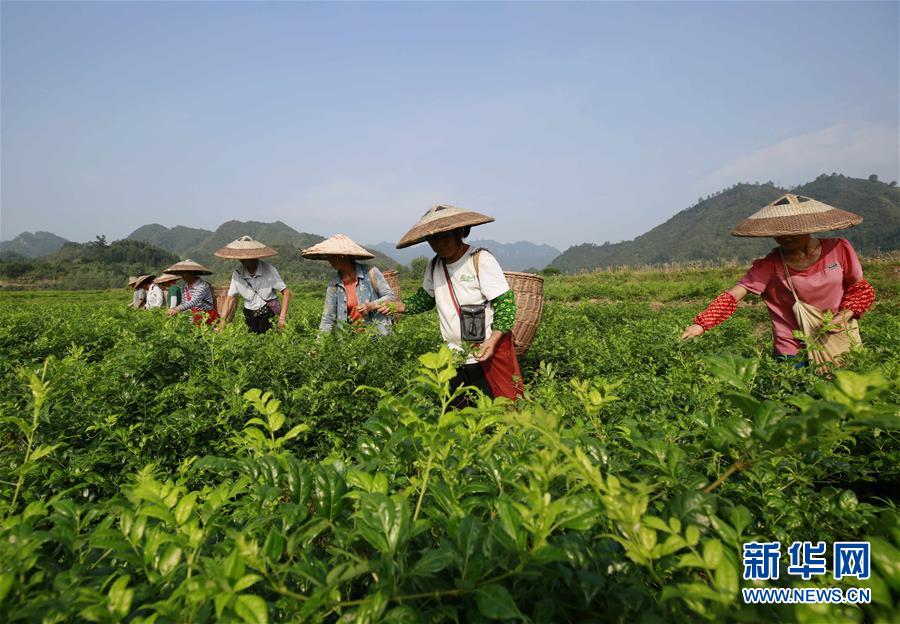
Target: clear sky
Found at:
x=568, y=122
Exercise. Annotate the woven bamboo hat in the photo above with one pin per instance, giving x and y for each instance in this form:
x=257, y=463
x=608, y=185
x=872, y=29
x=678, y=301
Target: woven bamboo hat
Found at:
x=337, y=245
x=165, y=278
x=439, y=219
x=245, y=248
x=131, y=280
x=188, y=266
x=139, y=281
x=795, y=214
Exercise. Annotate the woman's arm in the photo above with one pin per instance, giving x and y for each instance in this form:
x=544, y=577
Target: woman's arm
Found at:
x=285, y=303
x=420, y=302
x=504, y=320
x=719, y=310
x=857, y=299
x=381, y=288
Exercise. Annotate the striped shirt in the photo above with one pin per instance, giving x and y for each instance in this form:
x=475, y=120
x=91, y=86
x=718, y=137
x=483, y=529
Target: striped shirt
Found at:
x=198, y=295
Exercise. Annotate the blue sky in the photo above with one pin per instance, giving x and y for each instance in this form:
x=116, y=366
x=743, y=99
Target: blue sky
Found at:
x=568, y=122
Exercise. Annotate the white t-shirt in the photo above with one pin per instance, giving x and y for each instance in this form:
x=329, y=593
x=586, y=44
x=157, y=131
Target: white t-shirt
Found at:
x=469, y=289
x=266, y=282
x=155, y=296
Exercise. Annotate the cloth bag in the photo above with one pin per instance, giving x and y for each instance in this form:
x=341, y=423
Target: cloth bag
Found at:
x=822, y=346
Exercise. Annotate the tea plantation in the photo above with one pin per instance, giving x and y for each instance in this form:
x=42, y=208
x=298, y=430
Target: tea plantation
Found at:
x=151, y=471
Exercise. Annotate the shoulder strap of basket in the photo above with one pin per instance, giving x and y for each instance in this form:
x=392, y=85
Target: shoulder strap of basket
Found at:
x=475, y=255
x=787, y=273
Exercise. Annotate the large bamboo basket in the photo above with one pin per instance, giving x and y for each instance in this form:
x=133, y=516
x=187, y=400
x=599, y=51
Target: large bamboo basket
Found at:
x=529, y=291
x=220, y=294
x=392, y=277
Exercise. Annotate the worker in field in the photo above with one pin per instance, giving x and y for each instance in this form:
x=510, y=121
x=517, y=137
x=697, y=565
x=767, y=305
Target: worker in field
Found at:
x=475, y=304
x=168, y=284
x=138, y=296
x=803, y=281
x=258, y=283
x=356, y=292
x=155, y=296
x=197, y=294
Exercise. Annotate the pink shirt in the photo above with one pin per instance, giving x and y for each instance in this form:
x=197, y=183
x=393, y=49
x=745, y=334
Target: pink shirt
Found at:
x=821, y=285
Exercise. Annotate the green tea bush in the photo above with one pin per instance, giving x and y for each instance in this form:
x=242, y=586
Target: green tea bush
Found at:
x=157, y=472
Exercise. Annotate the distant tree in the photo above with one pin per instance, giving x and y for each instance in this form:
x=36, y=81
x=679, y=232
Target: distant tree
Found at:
x=417, y=267
x=873, y=178
x=551, y=270
x=893, y=183
x=99, y=241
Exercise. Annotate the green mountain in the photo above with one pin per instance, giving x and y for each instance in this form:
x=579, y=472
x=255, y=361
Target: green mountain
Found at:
x=201, y=245
x=701, y=232
x=28, y=245
x=174, y=239
x=94, y=265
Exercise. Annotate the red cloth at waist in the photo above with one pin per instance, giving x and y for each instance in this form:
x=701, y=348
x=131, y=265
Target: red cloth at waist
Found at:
x=502, y=370
x=210, y=315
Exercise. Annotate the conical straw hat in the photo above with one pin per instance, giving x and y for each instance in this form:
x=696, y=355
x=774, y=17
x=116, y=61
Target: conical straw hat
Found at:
x=337, y=245
x=795, y=214
x=131, y=280
x=439, y=219
x=245, y=248
x=165, y=278
x=143, y=278
x=188, y=266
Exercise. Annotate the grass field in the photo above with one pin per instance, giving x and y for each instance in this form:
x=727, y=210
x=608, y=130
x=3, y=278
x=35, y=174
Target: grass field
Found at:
x=145, y=480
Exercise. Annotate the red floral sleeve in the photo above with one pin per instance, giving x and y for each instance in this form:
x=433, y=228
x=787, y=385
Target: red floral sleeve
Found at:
x=859, y=297
x=720, y=310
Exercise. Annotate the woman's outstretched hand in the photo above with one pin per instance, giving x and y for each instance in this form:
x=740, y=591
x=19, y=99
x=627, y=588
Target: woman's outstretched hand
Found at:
x=392, y=307
x=691, y=331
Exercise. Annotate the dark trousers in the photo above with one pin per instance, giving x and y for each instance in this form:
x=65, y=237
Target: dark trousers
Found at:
x=470, y=375
x=259, y=324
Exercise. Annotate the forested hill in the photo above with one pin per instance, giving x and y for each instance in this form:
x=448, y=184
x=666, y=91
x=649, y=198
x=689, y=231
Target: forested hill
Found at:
x=28, y=245
x=200, y=245
x=97, y=264
x=702, y=232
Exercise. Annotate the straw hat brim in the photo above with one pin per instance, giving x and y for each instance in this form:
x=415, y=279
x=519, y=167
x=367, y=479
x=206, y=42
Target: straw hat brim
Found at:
x=165, y=279
x=337, y=245
x=326, y=256
x=246, y=254
x=143, y=278
x=181, y=268
x=421, y=232
x=834, y=219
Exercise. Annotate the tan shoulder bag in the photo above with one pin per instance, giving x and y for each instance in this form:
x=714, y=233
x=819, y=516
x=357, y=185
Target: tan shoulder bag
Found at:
x=822, y=346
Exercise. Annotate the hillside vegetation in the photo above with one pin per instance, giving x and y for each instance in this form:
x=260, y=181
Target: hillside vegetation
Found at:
x=28, y=245
x=702, y=232
x=97, y=264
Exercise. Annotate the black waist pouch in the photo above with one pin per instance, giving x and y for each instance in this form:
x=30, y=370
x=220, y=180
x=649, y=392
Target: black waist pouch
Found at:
x=472, y=323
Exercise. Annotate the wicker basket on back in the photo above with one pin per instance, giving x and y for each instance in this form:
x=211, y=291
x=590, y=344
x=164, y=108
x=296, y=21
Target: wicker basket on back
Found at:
x=220, y=293
x=393, y=279
x=529, y=291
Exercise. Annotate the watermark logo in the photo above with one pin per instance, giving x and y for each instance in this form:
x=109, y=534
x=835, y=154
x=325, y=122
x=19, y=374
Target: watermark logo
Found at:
x=807, y=559
x=852, y=559
x=761, y=562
